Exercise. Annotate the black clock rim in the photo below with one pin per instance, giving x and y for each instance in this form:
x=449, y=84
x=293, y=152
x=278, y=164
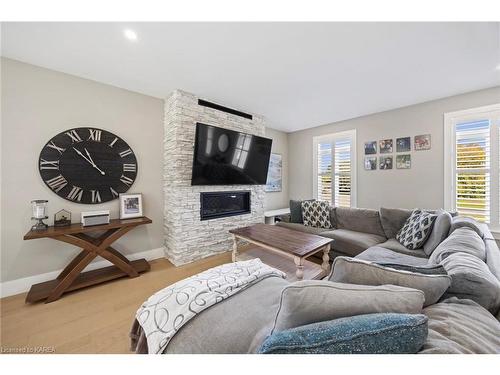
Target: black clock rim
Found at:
x=84, y=127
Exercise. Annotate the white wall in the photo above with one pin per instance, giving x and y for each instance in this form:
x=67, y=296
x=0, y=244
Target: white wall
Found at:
x=36, y=105
x=420, y=186
x=275, y=199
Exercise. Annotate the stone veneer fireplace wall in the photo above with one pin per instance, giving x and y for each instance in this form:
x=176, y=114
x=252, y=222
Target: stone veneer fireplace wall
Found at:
x=187, y=238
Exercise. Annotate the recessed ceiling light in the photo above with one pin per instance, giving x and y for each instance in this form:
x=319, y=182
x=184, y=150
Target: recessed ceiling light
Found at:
x=130, y=34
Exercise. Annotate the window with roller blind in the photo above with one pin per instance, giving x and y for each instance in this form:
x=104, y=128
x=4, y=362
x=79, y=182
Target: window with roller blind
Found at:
x=334, y=168
x=472, y=160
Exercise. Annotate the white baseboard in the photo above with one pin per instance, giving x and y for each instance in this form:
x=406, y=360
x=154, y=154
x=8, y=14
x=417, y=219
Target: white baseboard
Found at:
x=10, y=288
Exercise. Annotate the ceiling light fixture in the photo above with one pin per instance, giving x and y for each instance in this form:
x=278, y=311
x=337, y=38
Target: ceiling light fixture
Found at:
x=130, y=34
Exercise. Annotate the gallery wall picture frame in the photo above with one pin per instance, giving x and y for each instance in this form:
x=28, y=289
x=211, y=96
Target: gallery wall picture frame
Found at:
x=370, y=147
x=386, y=146
x=131, y=206
x=370, y=163
x=403, y=161
x=274, y=174
x=403, y=144
x=422, y=142
x=385, y=162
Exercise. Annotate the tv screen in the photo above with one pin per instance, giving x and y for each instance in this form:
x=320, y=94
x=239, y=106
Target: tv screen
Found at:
x=227, y=157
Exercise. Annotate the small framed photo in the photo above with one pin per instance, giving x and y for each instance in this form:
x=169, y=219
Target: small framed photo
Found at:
x=403, y=161
x=130, y=206
x=403, y=144
x=370, y=163
x=370, y=148
x=385, y=162
x=422, y=142
x=385, y=146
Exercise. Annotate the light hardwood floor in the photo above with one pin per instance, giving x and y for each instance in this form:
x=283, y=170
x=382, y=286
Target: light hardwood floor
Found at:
x=91, y=320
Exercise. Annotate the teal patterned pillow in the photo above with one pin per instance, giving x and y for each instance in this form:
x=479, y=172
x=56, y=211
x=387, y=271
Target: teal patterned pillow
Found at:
x=362, y=334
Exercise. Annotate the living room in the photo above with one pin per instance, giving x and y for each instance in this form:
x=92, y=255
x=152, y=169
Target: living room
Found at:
x=160, y=178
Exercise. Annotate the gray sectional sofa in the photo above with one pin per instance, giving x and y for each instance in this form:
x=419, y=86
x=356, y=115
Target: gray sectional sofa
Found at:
x=465, y=319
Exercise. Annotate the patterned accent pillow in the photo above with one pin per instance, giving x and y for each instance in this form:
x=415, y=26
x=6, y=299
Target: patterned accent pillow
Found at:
x=316, y=214
x=416, y=229
x=361, y=334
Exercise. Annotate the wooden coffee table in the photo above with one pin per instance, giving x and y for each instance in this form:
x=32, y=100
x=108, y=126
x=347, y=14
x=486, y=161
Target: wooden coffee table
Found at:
x=284, y=249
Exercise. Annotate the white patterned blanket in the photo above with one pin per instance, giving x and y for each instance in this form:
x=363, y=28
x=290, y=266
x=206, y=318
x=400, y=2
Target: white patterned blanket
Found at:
x=166, y=311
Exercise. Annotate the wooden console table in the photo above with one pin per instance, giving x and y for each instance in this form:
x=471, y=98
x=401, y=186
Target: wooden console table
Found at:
x=72, y=278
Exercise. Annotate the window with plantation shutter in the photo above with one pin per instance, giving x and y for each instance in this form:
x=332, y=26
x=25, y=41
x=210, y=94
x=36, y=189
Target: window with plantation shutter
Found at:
x=472, y=169
x=472, y=160
x=334, y=168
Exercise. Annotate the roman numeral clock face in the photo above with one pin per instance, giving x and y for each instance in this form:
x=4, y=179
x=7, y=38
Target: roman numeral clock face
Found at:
x=87, y=165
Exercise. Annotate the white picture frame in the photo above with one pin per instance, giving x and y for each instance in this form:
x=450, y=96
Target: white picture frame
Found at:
x=130, y=206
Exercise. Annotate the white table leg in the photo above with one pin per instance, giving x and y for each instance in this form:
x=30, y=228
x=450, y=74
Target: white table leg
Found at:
x=326, y=259
x=235, y=249
x=299, y=262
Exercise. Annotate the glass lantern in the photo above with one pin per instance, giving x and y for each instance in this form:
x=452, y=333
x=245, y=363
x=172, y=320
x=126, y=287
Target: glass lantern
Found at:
x=39, y=209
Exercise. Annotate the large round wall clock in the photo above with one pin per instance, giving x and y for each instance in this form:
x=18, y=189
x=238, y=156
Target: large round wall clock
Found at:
x=87, y=165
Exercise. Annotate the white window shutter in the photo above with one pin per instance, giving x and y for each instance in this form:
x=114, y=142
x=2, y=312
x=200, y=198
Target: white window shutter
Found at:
x=342, y=192
x=472, y=169
x=324, y=172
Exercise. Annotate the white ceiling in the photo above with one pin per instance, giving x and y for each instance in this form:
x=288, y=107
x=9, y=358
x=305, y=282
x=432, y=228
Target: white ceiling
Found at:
x=298, y=75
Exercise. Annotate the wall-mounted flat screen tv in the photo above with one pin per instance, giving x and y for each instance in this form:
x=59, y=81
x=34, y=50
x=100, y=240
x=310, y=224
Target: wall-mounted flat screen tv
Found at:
x=227, y=157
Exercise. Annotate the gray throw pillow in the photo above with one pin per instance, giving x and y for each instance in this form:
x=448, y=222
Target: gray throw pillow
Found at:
x=316, y=214
x=393, y=220
x=296, y=211
x=311, y=301
x=356, y=271
x=416, y=229
x=439, y=231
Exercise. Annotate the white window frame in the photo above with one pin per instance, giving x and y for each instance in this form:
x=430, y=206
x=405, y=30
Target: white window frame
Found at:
x=332, y=138
x=491, y=112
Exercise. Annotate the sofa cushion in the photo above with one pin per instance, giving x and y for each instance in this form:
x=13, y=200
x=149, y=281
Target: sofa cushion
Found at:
x=492, y=257
x=312, y=301
x=357, y=271
x=359, y=220
x=316, y=214
x=209, y=331
x=350, y=242
x=416, y=229
x=462, y=240
x=296, y=211
x=393, y=219
x=361, y=334
x=394, y=245
x=381, y=254
x=439, y=231
x=472, y=279
x=301, y=228
x=461, y=221
x=461, y=326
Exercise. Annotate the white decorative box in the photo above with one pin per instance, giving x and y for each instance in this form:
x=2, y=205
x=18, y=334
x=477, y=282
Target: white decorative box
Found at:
x=95, y=218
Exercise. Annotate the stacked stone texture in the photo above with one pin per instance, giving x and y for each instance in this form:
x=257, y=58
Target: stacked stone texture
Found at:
x=187, y=238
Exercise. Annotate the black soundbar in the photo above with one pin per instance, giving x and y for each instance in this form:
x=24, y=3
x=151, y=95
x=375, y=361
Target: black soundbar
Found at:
x=218, y=107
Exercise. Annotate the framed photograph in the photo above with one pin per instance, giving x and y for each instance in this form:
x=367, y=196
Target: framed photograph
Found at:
x=385, y=162
x=130, y=206
x=370, y=148
x=403, y=144
x=385, y=146
x=274, y=177
x=422, y=142
x=370, y=163
x=403, y=161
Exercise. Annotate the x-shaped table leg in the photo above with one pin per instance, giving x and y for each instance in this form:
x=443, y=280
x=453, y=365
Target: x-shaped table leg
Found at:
x=91, y=248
